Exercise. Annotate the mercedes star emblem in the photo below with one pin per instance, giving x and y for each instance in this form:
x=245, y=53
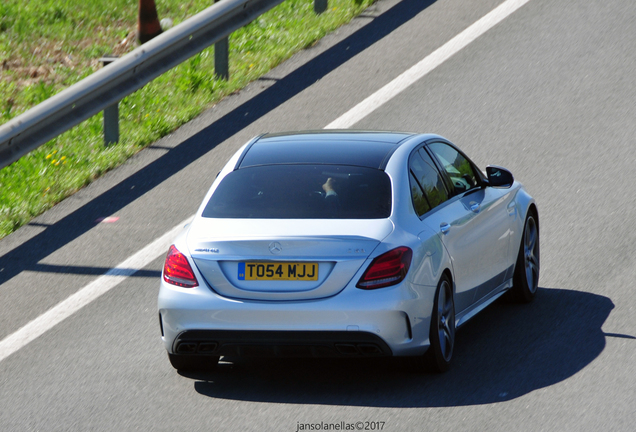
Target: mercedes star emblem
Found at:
x=275, y=247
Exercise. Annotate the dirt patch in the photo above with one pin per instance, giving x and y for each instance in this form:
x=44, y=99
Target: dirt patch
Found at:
x=126, y=45
x=49, y=61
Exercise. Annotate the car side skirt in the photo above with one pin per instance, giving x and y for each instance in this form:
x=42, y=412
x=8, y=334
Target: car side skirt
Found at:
x=467, y=314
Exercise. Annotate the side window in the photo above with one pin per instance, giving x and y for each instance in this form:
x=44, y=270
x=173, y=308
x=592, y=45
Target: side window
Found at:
x=427, y=187
x=420, y=203
x=458, y=168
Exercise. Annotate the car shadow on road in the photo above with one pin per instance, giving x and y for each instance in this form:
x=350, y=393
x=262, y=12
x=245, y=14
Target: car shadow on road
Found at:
x=504, y=353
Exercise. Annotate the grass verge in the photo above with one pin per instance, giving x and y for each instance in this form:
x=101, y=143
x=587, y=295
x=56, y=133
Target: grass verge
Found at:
x=48, y=45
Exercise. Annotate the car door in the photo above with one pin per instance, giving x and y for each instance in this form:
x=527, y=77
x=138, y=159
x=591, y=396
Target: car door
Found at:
x=488, y=224
x=471, y=221
x=430, y=195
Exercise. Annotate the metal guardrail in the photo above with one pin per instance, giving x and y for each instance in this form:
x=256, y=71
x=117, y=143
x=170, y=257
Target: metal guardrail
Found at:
x=124, y=76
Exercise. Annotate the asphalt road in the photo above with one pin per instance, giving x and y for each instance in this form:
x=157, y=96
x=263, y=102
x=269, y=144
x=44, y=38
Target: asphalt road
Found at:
x=548, y=93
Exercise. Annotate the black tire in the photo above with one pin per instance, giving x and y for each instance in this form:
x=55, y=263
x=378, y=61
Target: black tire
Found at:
x=525, y=282
x=442, y=334
x=191, y=363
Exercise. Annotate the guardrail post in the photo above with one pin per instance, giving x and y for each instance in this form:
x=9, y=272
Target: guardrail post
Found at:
x=320, y=6
x=111, y=113
x=222, y=57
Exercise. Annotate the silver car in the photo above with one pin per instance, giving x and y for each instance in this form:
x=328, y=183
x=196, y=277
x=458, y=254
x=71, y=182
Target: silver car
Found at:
x=346, y=244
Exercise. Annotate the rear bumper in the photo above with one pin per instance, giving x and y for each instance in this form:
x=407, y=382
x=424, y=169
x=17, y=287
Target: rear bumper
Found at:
x=389, y=321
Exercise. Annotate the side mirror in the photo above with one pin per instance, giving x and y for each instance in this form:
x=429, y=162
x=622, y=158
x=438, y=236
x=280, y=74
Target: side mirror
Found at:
x=499, y=177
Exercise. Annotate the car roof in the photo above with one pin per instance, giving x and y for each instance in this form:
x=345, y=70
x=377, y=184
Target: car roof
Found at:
x=358, y=148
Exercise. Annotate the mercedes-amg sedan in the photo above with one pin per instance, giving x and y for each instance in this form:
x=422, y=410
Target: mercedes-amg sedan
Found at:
x=348, y=244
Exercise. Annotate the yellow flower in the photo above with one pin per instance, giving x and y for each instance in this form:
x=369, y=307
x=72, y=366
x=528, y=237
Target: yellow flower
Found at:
x=62, y=158
x=53, y=161
x=48, y=156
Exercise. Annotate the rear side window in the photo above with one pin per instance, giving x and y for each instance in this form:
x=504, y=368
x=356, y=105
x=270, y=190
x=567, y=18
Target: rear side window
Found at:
x=302, y=192
x=425, y=180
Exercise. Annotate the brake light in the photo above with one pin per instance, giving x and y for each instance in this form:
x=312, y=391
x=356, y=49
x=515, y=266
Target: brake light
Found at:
x=177, y=270
x=388, y=269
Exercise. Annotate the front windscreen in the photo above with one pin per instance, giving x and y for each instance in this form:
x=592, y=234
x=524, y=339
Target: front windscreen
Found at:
x=302, y=192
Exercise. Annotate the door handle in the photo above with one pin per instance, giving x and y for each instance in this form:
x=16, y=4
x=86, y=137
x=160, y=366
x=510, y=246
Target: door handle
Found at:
x=475, y=208
x=444, y=227
x=512, y=209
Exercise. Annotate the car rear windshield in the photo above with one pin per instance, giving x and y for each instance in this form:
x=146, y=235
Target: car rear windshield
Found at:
x=302, y=192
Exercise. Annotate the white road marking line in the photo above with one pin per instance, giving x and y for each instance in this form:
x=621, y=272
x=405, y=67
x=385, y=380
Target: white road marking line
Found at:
x=90, y=292
x=139, y=260
x=426, y=65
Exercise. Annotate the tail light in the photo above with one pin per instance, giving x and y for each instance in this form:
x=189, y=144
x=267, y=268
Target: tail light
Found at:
x=177, y=270
x=388, y=269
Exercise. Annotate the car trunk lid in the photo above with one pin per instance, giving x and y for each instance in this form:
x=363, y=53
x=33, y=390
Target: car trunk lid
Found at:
x=278, y=260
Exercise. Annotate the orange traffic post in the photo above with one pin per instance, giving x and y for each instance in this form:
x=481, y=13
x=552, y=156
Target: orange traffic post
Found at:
x=148, y=22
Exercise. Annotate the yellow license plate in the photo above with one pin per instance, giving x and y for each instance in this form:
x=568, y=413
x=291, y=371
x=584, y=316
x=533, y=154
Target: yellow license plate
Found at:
x=278, y=271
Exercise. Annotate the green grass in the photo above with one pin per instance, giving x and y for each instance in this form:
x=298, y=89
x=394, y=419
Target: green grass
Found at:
x=48, y=45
